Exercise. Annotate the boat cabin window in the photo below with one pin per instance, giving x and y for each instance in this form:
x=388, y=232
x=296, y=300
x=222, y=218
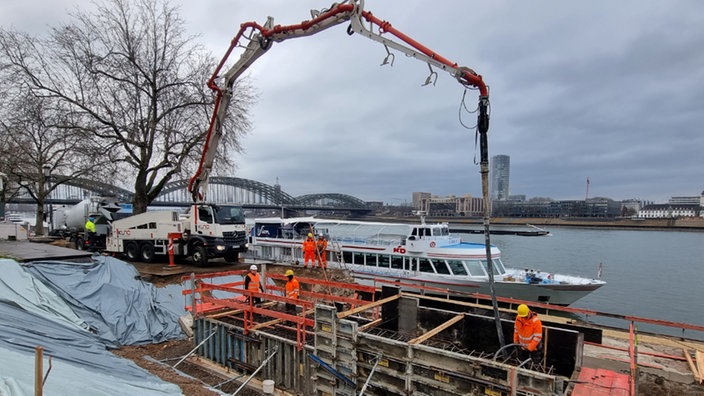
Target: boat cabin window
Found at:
x=347, y=257
x=397, y=262
x=475, y=268
x=357, y=258
x=370, y=259
x=425, y=266
x=457, y=267
x=384, y=261
x=440, y=266
x=420, y=232
x=498, y=268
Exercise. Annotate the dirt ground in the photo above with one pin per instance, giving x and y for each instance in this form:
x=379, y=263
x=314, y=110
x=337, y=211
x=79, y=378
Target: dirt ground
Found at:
x=169, y=353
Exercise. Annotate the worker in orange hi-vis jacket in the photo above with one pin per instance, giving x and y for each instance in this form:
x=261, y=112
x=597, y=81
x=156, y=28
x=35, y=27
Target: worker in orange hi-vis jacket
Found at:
x=293, y=288
x=309, y=251
x=322, y=246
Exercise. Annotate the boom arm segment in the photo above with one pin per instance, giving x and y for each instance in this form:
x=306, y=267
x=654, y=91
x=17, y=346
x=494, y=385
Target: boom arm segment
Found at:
x=262, y=37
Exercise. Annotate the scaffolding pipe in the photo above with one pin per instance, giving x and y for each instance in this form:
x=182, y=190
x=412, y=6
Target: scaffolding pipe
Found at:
x=376, y=363
x=212, y=333
x=261, y=366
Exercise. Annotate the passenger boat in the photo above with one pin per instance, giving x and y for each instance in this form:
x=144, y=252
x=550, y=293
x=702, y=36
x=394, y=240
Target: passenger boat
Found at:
x=413, y=254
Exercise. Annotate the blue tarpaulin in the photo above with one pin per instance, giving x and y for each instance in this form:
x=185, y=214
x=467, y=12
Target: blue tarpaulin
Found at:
x=76, y=312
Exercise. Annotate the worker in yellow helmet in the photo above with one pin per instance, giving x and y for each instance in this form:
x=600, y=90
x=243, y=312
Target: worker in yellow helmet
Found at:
x=293, y=288
x=528, y=333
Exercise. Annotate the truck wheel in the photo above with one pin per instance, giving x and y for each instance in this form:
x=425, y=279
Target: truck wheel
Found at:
x=132, y=251
x=200, y=256
x=80, y=244
x=232, y=257
x=147, y=252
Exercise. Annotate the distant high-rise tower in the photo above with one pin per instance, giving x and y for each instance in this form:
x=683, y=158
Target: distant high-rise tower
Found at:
x=500, y=166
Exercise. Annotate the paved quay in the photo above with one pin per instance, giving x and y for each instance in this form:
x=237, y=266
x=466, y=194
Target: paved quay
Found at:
x=25, y=251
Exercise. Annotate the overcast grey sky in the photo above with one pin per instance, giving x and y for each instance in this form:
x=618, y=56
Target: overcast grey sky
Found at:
x=607, y=90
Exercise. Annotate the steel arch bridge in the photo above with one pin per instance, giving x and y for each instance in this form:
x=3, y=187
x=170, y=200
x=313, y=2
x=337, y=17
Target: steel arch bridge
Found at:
x=220, y=189
x=229, y=189
x=333, y=198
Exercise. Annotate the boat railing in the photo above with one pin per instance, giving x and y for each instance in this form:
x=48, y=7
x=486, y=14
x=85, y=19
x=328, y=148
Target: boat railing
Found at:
x=368, y=241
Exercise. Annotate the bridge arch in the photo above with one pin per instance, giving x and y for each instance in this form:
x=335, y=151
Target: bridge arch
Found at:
x=220, y=189
x=330, y=199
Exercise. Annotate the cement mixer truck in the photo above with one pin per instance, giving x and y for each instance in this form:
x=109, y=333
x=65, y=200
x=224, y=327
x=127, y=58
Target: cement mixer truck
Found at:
x=204, y=232
x=69, y=222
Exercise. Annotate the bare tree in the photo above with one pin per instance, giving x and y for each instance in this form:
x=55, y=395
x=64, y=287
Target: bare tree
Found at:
x=40, y=154
x=130, y=77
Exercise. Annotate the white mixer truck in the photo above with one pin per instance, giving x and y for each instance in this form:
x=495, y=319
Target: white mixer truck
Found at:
x=206, y=231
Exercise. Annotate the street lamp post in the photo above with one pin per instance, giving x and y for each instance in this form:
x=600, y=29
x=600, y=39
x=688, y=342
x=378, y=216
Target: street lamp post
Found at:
x=2, y=196
x=47, y=180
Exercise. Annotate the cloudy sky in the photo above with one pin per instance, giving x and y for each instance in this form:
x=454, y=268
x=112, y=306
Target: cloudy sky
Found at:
x=605, y=90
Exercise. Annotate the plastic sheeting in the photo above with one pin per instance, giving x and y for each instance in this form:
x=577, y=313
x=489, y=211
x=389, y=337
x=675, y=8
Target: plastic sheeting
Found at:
x=109, y=297
x=75, y=312
x=66, y=378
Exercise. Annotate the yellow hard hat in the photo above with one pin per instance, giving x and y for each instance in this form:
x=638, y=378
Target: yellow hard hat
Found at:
x=523, y=310
x=289, y=273
x=310, y=235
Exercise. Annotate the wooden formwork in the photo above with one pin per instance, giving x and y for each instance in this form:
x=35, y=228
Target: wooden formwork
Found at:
x=342, y=359
x=409, y=349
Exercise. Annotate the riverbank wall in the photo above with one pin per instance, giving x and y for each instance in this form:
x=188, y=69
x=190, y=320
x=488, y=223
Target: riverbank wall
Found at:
x=679, y=224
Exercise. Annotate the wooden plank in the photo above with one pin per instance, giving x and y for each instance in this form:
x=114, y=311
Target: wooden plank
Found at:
x=266, y=324
x=700, y=363
x=368, y=325
x=692, y=366
x=225, y=313
x=367, y=306
x=436, y=330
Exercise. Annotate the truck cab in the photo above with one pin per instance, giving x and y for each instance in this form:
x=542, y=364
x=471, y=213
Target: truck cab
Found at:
x=219, y=228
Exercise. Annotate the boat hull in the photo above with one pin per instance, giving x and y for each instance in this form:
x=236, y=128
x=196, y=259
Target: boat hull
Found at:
x=556, y=294
x=423, y=258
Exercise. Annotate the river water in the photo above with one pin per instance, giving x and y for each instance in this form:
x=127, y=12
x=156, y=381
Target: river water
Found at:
x=652, y=274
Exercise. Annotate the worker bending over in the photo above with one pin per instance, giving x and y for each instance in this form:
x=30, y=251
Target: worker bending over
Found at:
x=322, y=247
x=293, y=288
x=528, y=333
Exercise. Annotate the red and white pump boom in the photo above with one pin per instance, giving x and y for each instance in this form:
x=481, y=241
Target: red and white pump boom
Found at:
x=262, y=37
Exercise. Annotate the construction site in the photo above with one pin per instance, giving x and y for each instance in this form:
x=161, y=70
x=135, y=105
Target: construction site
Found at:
x=337, y=338
x=347, y=339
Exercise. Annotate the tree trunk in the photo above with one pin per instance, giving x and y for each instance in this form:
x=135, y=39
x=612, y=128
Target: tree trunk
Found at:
x=140, y=201
x=39, y=221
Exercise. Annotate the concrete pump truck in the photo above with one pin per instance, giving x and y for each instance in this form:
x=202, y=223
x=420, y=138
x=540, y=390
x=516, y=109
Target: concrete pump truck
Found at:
x=218, y=230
